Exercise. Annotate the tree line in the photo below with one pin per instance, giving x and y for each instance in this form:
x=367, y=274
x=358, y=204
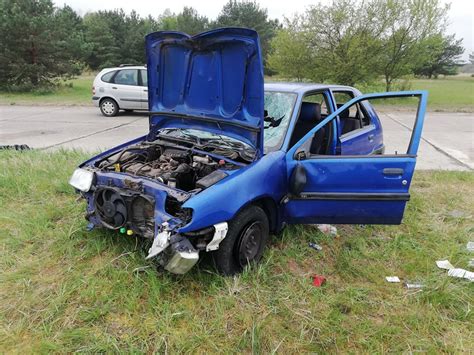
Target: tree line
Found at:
x=41, y=43
x=346, y=42
x=352, y=42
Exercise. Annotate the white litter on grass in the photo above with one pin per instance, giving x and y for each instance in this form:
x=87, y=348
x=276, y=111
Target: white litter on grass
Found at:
x=327, y=229
x=392, y=279
x=414, y=285
x=470, y=246
x=461, y=273
x=457, y=214
x=471, y=263
x=444, y=264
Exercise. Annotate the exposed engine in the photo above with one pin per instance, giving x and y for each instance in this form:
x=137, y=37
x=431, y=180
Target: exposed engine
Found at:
x=175, y=167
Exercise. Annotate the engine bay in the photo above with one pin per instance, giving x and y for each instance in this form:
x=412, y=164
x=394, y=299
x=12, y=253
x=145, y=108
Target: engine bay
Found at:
x=173, y=165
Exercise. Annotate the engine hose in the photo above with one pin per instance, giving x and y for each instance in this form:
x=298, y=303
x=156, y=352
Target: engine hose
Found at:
x=118, y=158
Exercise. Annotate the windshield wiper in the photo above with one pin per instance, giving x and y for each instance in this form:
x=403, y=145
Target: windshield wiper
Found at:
x=273, y=121
x=182, y=133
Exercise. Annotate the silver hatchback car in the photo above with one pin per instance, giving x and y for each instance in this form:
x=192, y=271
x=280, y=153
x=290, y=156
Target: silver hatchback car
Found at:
x=121, y=88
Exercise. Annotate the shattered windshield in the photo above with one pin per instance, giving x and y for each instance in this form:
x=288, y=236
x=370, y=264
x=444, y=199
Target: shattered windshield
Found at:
x=278, y=109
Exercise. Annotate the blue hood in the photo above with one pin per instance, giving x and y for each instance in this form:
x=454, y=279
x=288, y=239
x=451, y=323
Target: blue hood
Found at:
x=212, y=81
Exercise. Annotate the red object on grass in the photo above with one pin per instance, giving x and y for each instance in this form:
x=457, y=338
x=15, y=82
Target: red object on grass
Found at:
x=318, y=280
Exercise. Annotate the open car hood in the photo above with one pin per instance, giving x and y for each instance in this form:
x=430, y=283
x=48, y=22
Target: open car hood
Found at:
x=212, y=81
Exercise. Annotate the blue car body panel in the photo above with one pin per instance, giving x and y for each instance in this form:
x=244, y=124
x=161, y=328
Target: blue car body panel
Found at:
x=265, y=178
x=212, y=81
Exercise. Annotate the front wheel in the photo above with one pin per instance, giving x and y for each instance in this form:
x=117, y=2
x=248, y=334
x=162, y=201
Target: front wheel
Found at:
x=109, y=107
x=244, y=243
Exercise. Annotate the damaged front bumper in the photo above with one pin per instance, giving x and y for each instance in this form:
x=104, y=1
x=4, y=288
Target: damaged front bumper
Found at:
x=142, y=207
x=176, y=253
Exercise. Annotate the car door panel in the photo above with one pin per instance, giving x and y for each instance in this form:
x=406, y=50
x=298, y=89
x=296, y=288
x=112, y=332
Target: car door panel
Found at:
x=359, y=129
x=359, y=141
x=126, y=89
x=353, y=190
x=365, y=189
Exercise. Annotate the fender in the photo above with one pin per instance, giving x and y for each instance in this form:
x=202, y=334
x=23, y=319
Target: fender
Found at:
x=222, y=201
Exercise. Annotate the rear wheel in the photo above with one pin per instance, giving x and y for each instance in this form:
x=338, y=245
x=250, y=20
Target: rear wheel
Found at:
x=244, y=243
x=109, y=107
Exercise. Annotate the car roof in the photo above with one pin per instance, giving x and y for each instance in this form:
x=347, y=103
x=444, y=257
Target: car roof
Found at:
x=301, y=88
x=125, y=67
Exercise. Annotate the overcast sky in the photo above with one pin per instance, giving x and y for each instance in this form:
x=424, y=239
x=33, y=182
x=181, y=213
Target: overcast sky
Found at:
x=461, y=14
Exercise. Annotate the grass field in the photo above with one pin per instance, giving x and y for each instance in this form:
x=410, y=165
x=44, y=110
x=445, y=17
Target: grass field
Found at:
x=451, y=94
x=64, y=289
x=454, y=94
x=74, y=92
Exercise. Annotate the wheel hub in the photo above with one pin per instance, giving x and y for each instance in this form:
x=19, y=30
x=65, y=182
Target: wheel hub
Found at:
x=108, y=107
x=250, y=243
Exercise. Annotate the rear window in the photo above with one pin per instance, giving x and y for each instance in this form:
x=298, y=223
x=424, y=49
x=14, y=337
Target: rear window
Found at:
x=144, y=77
x=107, y=77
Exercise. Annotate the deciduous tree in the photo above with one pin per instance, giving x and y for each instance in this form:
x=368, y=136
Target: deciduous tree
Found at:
x=249, y=14
x=290, y=54
x=343, y=38
x=442, y=56
x=409, y=23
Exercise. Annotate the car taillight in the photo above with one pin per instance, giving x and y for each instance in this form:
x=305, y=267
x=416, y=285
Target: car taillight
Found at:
x=93, y=90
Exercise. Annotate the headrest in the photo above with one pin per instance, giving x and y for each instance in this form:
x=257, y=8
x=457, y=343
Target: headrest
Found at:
x=343, y=114
x=310, y=112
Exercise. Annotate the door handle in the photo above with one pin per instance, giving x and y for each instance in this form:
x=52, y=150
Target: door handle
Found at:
x=145, y=90
x=393, y=171
x=371, y=137
x=114, y=87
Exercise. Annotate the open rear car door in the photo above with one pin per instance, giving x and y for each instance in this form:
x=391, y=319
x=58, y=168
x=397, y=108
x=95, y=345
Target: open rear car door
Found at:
x=353, y=189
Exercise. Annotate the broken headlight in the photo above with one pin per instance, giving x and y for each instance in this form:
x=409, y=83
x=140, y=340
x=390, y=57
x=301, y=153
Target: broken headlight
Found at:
x=82, y=179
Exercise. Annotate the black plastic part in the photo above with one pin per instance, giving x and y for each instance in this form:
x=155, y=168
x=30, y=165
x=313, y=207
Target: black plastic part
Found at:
x=176, y=154
x=298, y=180
x=15, y=147
x=211, y=179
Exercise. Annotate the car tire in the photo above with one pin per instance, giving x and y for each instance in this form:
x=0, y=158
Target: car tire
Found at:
x=109, y=107
x=244, y=243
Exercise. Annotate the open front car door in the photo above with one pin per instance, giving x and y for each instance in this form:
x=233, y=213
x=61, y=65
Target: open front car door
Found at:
x=353, y=189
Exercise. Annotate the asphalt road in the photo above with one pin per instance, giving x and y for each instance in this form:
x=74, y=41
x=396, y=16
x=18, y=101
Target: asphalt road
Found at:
x=448, y=138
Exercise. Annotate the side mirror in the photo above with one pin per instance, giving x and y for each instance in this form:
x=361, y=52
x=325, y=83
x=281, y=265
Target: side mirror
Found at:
x=297, y=180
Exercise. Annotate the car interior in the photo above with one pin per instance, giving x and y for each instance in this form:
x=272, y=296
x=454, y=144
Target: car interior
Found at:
x=352, y=118
x=313, y=110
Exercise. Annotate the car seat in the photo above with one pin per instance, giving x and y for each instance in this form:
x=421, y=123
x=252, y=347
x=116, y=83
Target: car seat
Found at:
x=310, y=116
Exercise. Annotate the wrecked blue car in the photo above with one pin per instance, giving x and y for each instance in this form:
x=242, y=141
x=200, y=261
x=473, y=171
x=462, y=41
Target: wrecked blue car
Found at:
x=228, y=160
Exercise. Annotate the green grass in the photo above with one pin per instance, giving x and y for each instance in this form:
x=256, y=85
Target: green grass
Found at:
x=450, y=94
x=455, y=93
x=64, y=289
x=73, y=92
